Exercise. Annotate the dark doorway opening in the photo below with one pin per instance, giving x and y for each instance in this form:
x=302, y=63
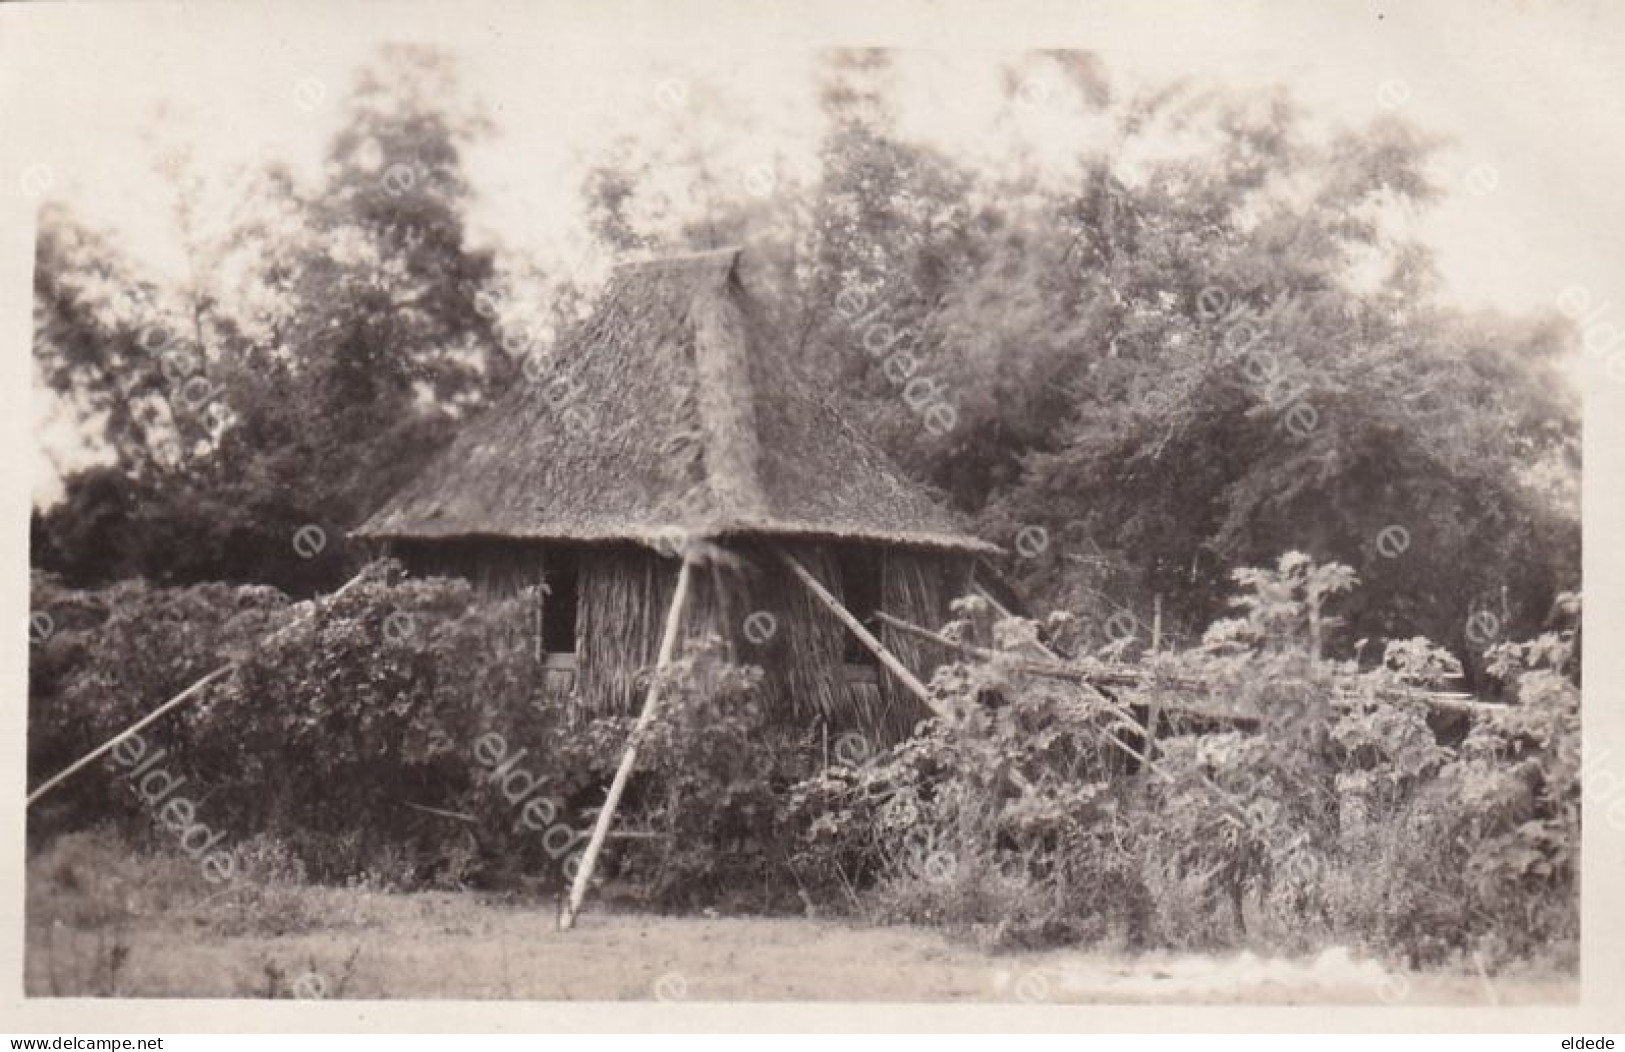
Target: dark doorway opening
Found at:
x=859, y=570
x=561, y=604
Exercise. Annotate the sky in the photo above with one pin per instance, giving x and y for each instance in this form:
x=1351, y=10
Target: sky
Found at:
x=1530, y=96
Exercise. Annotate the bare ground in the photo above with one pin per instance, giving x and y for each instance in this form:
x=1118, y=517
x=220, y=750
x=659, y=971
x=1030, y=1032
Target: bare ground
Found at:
x=355, y=943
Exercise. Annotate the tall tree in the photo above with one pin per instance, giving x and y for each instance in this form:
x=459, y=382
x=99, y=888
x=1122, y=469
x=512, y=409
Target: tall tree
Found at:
x=350, y=342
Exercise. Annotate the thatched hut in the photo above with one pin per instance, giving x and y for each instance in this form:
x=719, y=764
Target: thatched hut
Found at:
x=674, y=412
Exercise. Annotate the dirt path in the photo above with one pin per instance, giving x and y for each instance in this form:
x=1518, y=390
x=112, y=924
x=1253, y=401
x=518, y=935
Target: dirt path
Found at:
x=455, y=946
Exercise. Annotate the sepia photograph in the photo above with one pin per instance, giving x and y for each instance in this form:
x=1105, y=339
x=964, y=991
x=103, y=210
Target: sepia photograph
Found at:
x=901, y=503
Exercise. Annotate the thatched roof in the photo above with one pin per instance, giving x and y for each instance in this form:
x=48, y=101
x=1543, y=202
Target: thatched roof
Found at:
x=673, y=409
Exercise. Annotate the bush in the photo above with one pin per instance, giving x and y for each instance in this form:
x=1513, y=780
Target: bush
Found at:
x=708, y=812
x=347, y=732
x=1327, y=809
x=101, y=660
x=368, y=738
x=1002, y=821
x=398, y=736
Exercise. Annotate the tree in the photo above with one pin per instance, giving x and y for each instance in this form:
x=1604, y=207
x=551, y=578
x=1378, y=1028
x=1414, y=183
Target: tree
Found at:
x=1211, y=341
x=101, y=333
x=1206, y=340
x=304, y=393
x=1249, y=393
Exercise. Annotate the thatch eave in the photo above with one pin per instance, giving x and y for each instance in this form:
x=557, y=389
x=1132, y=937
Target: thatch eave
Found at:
x=664, y=537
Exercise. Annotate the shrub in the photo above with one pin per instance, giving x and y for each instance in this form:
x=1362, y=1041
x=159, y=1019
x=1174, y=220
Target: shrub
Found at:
x=346, y=732
x=101, y=660
x=1345, y=817
x=707, y=823
x=354, y=743
x=1001, y=820
x=1325, y=808
x=350, y=736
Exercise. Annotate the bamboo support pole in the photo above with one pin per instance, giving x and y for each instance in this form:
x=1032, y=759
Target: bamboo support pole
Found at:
x=1120, y=711
x=651, y=703
x=438, y=812
x=1147, y=734
x=890, y=660
x=1054, y=668
x=1128, y=676
x=173, y=703
x=76, y=766
x=867, y=638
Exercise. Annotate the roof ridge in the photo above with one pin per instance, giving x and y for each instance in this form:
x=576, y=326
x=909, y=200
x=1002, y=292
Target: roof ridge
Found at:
x=726, y=399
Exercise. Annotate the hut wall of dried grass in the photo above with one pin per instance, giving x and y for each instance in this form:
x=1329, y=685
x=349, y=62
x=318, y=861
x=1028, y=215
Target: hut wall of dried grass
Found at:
x=815, y=676
x=625, y=592
x=919, y=586
x=745, y=596
x=496, y=567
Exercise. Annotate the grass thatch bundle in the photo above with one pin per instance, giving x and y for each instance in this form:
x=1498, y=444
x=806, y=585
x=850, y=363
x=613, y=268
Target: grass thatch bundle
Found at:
x=802, y=655
x=676, y=407
x=918, y=586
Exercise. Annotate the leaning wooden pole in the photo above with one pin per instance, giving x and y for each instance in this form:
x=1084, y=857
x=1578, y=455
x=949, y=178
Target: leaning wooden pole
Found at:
x=651, y=703
x=178, y=700
x=84, y=761
x=1148, y=734
x=866, y=637
x=1055, y=668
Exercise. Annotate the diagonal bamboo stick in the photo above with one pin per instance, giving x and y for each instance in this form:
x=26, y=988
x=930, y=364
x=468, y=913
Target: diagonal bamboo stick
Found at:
x=651, y=702
x=867, y=638
x=76, y=766
x=1053, y=668
x=1147, y=734
x=184, y=696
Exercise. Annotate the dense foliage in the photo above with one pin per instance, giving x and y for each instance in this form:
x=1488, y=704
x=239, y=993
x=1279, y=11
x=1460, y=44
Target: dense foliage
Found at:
x=1203, y=337
x=1208, y=337
x=1347, y=811
x=398, y=735
x=328, y=343
x=339, y=730
x=397, y=732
